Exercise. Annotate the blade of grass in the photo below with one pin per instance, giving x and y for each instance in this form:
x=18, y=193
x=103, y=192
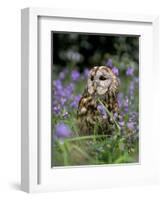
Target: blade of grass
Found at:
x=84, y=138
x=64, y=151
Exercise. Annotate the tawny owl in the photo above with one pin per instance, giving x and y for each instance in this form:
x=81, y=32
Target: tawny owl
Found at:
x=99, y=96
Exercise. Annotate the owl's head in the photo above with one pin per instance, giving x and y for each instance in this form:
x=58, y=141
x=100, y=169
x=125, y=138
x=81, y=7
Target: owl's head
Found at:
x=101, y=81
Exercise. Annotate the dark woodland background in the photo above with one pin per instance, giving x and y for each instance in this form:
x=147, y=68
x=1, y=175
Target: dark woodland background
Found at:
x=87, y=50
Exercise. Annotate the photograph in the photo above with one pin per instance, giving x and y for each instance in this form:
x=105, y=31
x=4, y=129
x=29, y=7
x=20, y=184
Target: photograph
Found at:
x=94, y=99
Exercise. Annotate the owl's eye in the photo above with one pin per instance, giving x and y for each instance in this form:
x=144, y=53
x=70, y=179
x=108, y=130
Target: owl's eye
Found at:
x=92, y=78
x=102, y=78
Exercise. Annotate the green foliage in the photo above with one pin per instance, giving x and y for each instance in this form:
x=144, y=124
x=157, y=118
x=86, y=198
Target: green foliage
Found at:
x=94, y=149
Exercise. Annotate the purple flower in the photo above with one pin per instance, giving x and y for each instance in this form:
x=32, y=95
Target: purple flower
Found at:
x=126, y=104
x=78, y=97
x=130, y=125
x=121, y=123
x=86, y=72
x=134, y=116
x=56, y=109
x=131, y=88
x=69, y=90
x=65, y=115
x=62, y=130
x=58, y=84
x=109, y=63
x=129, y=71
x=63, y=73
x=59, y=93
x=63, y=101
x=75, y=75
x=115, y=116
x=75, y=101
x=102, y=111
x=115, y=71
x=74, y=104
x=120, y=99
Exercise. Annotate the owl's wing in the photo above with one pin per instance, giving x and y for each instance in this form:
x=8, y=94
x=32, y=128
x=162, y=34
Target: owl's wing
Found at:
x=83, y=104
x=85, y=114
x=114, y=87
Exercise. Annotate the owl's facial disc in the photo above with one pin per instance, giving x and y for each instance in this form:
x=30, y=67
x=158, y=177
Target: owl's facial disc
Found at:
x=99, y=82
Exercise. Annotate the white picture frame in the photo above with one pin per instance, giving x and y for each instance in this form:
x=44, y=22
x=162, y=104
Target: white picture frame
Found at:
x=36, y=171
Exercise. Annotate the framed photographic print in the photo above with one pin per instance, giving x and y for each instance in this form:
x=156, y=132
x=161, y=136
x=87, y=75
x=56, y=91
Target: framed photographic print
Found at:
x=88, y=100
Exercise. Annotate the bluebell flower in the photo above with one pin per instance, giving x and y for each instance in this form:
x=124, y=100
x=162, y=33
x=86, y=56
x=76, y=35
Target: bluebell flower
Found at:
x=86, y=72
x=63, y=73
x=58, y=84
x=69, y=90
x=109, y=63
x=130, y=125
x=56, y=109
x=78, y=97
x=115, y=71
x=65, y=115
x=134, y=116
x=102, y=111
x=115, y=116
x=74, y=104
x=62, y=130
x=75, y=75
x=75, y=101
x=63, y=101
x=121, y=123
x=130, y=71
x=131, y=88
x=120, y=99
x=60, y=93
x=126, y=104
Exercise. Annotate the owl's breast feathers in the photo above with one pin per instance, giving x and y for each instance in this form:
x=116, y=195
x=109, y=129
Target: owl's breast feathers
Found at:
x=88, y=113
x=88, y=104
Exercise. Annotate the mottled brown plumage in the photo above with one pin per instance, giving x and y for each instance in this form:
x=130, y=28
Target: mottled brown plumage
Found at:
x=102, y=86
